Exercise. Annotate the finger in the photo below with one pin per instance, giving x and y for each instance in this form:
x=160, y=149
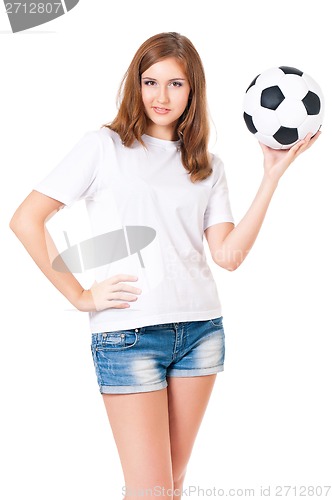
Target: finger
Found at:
x=311, y=138
x=298, y=146
x=122, y=277
x=314, y=138
x=112, y=304
x=126, y=296
x=132, y=289
x=302, y=144
x=121, y=287
x=306, y=143
x=317, y=134
x=117, y=305
x=128, y=277
x=120, y=296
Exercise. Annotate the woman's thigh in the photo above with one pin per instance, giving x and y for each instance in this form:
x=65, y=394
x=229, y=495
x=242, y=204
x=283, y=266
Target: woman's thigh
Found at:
x=140, y=427
x=188, y=399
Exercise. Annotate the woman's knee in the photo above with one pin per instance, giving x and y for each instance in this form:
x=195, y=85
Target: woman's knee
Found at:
x=150, y=489
x=178, y=480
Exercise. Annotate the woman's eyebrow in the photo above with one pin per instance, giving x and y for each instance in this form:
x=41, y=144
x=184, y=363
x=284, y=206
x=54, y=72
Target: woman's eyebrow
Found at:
x=171, y=80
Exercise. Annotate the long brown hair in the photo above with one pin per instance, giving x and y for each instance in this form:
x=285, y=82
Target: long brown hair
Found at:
x=193, y=125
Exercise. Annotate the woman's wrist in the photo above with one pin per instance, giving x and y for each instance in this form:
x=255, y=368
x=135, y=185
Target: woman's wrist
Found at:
x=84, y=302
x=270, y=182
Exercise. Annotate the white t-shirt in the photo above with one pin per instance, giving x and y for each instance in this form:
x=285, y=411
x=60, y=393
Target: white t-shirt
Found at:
x=153, y=220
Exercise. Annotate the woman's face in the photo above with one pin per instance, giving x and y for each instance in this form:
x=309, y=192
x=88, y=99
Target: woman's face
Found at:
x=165, y=92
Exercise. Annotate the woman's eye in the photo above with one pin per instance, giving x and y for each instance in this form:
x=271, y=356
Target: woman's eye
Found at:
x=149, y=82
x=177, y=84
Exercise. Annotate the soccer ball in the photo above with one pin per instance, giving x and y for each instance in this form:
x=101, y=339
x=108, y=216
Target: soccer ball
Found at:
x=282, y=105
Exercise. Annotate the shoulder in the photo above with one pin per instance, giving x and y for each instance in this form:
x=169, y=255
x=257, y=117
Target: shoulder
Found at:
x=109, y=137
x=106, y=133
x=98, y=142
x=103, y=135
x=216, y=161
x=217, y=166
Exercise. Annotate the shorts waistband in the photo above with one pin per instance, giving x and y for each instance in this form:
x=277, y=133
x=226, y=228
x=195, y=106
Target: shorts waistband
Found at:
x=165, y=325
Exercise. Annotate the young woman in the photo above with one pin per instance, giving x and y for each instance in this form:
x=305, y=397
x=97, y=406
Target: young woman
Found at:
x=152, y=191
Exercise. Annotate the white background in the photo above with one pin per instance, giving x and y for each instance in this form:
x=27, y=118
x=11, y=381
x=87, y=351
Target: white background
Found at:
x=269, y=417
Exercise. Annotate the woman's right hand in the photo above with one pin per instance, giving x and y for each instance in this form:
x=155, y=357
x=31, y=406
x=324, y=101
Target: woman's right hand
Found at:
x=109, y=293
x=29, y=225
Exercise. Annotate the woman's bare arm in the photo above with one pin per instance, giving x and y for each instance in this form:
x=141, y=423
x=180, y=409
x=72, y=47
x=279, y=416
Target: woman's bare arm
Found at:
x=230, y=245
x=29, y=225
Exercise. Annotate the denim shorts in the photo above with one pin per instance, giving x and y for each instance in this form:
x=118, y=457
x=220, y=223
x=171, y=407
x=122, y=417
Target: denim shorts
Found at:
x=140, y=359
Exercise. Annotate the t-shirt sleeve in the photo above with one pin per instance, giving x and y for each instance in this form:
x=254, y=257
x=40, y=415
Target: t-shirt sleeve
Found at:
x=218, y=208
x=75, y=177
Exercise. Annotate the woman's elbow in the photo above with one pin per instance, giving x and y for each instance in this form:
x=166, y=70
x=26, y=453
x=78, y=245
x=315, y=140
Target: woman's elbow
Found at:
x=36, y=209
x=15, y=222
x=229, y=266
x=21, y=222
x=228, y=259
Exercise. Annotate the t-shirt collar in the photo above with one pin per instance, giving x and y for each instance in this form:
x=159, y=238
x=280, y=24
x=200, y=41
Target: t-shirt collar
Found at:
x=163, y=143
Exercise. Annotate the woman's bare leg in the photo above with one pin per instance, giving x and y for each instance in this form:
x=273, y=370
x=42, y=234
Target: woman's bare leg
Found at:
x=187, y=401
x=155, y=432
x=140, y=428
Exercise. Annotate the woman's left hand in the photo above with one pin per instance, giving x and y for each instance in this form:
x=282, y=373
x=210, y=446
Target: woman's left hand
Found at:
x=276, y=161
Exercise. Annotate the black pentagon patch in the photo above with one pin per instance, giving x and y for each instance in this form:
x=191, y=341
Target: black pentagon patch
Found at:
x=249, y=123
x=271, y=97
x=288, y=70
x=286, y=135
x=311, y=103
x=252, y=83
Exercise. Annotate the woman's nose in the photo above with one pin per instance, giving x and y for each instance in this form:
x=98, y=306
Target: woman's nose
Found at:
x=163, y=95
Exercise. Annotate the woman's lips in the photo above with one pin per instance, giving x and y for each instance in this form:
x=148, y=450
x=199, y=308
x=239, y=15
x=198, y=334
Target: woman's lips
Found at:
x=161, y=111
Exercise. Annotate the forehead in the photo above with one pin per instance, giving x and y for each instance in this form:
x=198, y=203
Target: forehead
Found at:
x=166, y=68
